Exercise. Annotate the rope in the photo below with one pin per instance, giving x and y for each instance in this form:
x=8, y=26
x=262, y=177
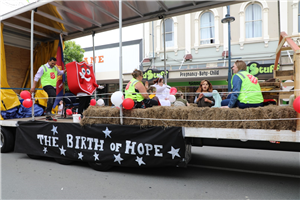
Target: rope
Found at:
x=196, y=120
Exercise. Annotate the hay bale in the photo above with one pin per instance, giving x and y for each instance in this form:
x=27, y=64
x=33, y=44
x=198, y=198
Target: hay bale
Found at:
x=157, y=114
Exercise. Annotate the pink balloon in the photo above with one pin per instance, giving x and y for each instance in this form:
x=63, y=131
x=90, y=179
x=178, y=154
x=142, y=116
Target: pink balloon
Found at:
x=69, y=112
x=173, y=91
x=93, y=102
x=27, y=103
x=128, y=104
x=25, y=94
x=296, y=104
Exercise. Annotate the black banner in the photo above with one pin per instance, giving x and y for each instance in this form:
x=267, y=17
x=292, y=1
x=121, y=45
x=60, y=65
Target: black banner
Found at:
x=115, y=145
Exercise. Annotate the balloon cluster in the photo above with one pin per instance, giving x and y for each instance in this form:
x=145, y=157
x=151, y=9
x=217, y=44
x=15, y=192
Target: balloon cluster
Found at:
x=172, y=97
x=27, y=103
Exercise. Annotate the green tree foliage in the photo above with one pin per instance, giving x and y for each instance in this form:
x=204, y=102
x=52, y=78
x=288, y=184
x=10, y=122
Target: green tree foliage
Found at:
x=72, y=52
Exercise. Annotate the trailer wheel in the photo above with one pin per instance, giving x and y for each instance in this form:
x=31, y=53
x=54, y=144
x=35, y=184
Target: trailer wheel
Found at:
x=98, y=166
x=7, y=142
x=63, y=161
x=33, y=156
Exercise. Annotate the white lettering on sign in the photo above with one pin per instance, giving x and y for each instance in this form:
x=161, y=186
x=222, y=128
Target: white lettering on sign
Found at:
x=83, y=142
x=143, y=149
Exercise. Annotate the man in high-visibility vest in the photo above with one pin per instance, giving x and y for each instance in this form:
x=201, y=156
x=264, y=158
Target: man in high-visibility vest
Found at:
x=246, y=89
x=48, y=74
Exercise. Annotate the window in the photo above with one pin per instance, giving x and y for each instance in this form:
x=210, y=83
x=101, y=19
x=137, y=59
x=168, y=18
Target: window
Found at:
x=169, y=28
x=207, y=28
x=253, y=21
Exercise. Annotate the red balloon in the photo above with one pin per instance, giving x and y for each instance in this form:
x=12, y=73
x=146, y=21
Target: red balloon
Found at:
x=173, y=91
x=69, y=112
x=296, y=104
x=25, y=94
x=93, y=102
x=27, y=103
x=128, y=104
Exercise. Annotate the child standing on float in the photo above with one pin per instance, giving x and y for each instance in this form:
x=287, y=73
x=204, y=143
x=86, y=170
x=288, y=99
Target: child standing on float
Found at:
x=162, y=91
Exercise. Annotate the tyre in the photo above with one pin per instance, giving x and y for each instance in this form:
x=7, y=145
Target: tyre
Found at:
x=100, y=166
x=7, y=141
x=63, y=161
x=33, y=156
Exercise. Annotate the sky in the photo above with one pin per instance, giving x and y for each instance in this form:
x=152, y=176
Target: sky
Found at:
x=10, y=5
x=109, y=37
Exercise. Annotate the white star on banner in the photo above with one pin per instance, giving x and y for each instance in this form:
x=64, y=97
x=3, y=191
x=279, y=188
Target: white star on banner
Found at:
x=96, y=156
x=54, y=130
x=62, y=151
x=107, y=132
x=118, y=158
x=140, y=161
x=174, y=152
x=45, y=150
x=80, y=156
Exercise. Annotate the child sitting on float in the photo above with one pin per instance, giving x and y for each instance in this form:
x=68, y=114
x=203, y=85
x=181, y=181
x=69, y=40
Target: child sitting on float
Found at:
x=206, y=96
x=180, y=101
x=152, y=94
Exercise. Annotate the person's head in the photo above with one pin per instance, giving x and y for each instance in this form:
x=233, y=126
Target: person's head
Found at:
x=178, y=94
x=205, y=86
x=137, y=74
x=238, y=66
x=52, y=62
x=151, y=90
x=61, y=102
x=159, y=81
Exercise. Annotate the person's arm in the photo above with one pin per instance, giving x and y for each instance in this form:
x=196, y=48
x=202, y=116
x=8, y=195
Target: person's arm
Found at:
x=60, y=72
x=209, y=101
x=237, y=84
x=36, y=79
x=199, y=97
x=139, y=86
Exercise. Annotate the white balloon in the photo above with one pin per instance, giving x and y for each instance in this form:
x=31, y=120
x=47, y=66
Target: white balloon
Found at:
x=172, y=98
x=117, y=98
x=100, y=102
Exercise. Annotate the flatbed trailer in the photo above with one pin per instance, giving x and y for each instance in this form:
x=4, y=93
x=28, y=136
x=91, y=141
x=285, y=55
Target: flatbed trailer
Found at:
x=150, y=143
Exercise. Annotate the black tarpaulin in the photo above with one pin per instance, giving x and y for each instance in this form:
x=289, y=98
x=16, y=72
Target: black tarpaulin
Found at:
x=115, y=145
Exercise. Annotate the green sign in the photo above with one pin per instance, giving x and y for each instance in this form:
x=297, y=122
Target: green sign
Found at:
x=151, y=74
x=255, y=69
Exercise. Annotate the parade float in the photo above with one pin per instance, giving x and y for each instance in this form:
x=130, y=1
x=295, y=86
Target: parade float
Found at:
x=152, y=137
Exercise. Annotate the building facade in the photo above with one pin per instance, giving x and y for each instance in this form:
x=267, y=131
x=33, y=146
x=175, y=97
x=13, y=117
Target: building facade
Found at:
x=197, y=43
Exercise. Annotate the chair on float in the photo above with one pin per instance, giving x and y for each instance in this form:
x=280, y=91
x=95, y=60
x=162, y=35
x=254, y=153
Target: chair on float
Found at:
x=70, y=103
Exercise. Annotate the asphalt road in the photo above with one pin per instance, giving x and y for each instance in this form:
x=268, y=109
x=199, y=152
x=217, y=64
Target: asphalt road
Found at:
x=213, y=173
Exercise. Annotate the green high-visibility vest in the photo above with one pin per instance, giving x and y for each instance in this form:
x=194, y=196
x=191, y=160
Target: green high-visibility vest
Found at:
x=49, y=76
x=131, y=93
x=250, y=89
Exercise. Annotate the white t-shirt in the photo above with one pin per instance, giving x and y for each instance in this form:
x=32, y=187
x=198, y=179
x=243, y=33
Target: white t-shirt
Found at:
x=61, y=106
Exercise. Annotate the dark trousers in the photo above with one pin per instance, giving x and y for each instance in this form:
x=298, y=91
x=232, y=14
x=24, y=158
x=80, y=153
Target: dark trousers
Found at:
x=84, y=102
x=51, y=91
x=146, y=103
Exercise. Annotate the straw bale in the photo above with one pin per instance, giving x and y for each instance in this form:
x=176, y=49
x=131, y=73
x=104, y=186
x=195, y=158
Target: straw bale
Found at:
x=155, y=115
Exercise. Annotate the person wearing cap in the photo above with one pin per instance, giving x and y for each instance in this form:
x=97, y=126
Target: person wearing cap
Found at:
x=48, y=74
x=246, y=91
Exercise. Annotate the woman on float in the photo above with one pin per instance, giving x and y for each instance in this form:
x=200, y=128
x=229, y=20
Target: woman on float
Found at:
x=136, y=91
x=204, y=96
x=246, y=91
x=162, y=92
